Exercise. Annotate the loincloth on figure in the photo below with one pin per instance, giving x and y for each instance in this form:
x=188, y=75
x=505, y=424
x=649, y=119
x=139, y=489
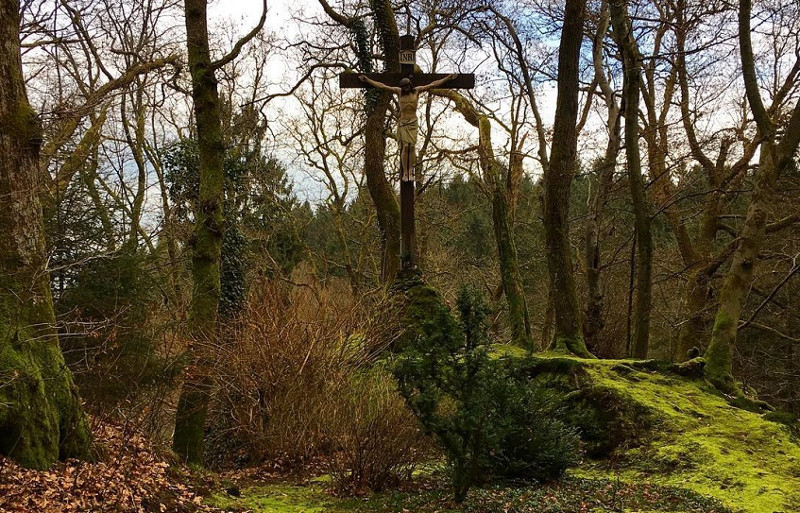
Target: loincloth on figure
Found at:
x=407, y=132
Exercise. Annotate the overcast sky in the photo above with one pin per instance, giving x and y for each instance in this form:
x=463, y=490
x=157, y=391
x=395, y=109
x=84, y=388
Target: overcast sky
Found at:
x=248, y=12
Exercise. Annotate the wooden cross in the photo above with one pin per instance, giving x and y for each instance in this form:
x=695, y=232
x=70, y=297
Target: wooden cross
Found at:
x=407, y=84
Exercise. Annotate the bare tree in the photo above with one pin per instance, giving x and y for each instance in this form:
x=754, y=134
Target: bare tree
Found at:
x=208, y=221
x=777, y=154
x=631, y=86
x=558, y=176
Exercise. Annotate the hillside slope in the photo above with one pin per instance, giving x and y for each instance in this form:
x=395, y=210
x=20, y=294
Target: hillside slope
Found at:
x=641, y=424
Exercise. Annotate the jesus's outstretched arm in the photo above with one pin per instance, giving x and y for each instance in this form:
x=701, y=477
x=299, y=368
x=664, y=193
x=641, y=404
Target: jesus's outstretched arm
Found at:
x=437, y=83
x=379, y=85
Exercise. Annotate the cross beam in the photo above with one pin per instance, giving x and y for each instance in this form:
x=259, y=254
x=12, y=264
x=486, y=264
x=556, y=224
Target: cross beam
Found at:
x=351, y=80
x=407, y=69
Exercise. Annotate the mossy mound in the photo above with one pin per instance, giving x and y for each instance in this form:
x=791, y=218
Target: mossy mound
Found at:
x=644, y=423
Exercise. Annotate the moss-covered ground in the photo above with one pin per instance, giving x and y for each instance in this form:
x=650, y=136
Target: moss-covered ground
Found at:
x=663, y=443
x=569, y=495
x=697, y=441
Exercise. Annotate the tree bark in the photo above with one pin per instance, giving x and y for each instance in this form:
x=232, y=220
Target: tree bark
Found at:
x=376, y=105
x=381, y=191
x=776, y=155
x=41, y=418
x=698, y=256
x=518, y=316
x=631, y=85
x=558, y=176
x=207, y=240
x=598, y=195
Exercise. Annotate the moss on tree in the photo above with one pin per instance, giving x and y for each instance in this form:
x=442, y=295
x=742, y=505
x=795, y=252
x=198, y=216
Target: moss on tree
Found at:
x=719, y=357
x=41, y=418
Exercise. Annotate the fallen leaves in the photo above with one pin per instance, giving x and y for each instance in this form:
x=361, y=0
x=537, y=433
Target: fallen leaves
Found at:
x=130, y=477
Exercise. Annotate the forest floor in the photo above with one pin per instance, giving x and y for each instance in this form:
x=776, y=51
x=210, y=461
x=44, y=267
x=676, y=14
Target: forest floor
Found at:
x=685, y=449
x=131, y=477
x=569, y=495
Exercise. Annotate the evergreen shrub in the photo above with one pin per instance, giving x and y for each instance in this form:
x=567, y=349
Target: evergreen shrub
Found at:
x=490, y=419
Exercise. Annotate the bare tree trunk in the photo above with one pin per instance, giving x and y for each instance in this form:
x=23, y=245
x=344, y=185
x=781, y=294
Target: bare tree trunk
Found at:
x=775, y=157
x=698, y=257
x=380, y=190
x=41, y=418
x=719, y=355
x=598, y=195
x=209, y=227
x=136, y=143
x=501, y=218
x=641, y=207
x=207, y=240
x=558, y=176
x=377, y=104
x=509, y=270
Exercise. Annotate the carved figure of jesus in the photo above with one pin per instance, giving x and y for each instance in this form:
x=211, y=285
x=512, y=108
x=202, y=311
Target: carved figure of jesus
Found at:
x=407, y=123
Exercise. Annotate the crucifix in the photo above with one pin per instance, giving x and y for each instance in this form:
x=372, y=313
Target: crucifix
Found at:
x=407, y=85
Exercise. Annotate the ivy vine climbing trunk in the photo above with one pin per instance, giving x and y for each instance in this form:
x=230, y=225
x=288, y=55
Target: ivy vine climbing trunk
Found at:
x=41, y=418
x=190, y=418
x=558, y=176
x=207, y=238
x=631, y=87
x=777, y=154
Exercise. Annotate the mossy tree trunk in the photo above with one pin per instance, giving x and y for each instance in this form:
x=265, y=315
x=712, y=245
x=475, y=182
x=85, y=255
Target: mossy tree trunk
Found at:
x=511, y=278
x=41, y=418
x=777, y=154
x=207, y=239
x=631, y=87
x=558, y=176
x=381, y=191
x=209, y=226
x=724, y=178
x=499, y=191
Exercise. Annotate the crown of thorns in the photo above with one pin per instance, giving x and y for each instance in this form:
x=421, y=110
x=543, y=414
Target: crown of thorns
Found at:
x=405, y=82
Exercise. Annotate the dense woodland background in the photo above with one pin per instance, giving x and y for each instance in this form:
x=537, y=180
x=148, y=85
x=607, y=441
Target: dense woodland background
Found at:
x=222, y=238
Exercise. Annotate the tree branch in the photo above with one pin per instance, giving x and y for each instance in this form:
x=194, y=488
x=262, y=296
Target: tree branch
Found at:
x=237, y=48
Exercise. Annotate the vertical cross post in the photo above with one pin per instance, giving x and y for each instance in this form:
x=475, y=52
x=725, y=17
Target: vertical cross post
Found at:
x=407, y=85
x=408, y=249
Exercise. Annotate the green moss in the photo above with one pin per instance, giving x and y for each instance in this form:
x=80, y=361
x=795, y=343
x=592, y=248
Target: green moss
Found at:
x=695, y=440
x=570, y=346
x=40, y=417
x=719, y=356
x=568, y=495
x=277, y=499
x=24, y=124
x=508, y=351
